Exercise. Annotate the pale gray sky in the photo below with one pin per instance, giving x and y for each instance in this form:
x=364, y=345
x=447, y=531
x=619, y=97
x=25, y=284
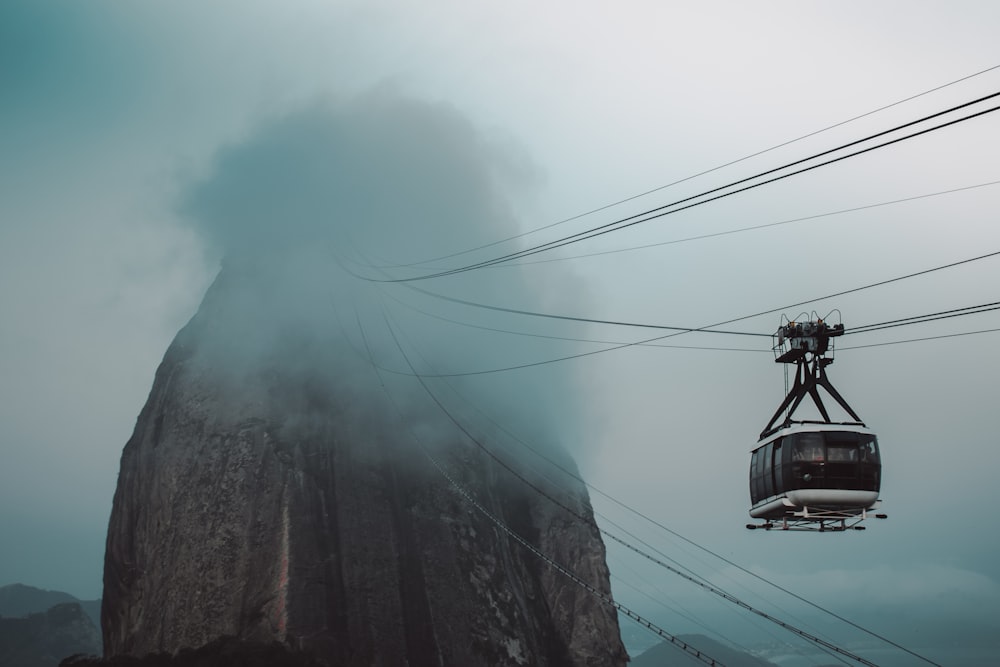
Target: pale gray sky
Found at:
x=110, y=112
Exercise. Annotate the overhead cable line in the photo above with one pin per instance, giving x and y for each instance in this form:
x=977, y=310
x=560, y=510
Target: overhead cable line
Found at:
x=870, y=286
x=689, y=202
x=693, y=176
x=729, y=232
x=659, y=600
x=588, y=521
x=659, y=212
x=570, y=318
x=919, y=319
x=918, y=340
x=565, y=571
x=854, y=290
x=932, y=317
x=566, y=338
x=916, y=319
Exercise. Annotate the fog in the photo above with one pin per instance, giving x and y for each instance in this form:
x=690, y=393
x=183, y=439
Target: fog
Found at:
x=299, y=206
x=144, y=147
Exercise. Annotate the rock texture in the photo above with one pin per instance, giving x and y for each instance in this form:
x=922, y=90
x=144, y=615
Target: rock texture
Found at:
x=271, y=491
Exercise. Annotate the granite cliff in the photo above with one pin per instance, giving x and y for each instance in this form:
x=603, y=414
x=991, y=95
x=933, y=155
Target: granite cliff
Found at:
x=271, y=491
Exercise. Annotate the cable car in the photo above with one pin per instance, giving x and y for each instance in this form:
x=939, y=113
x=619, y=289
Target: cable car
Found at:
x=813, y=475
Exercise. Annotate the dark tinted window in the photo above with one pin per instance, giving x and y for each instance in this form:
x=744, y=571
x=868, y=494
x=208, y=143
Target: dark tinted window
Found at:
x=841, y=453
x=869, y=449
x=871, y=465
x=832, y=460
x=808, y=447
x=767, y=486
x=779, y=481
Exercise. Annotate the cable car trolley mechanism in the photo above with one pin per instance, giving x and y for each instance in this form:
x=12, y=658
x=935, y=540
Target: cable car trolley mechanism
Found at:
x=813, y=475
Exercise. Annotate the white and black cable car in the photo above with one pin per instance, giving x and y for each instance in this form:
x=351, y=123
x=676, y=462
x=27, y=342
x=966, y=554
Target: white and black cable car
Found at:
x=813, y=475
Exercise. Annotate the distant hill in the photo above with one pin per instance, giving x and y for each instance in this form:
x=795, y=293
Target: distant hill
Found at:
x=43, y=640
x=222, y=652
x=669, y=654
x=18, y=601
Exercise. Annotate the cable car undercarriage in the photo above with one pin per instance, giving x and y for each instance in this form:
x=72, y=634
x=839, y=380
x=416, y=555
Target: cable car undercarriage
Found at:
x=813, y=475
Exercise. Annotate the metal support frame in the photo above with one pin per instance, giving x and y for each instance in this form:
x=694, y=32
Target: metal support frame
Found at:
x=818, y=520
x=809, y=345
x=809, y=375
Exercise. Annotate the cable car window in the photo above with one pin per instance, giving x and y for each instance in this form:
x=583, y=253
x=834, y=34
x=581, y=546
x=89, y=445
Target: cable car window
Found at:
x=869, y=450
x=871, y=467
x=841, y=453
x=808, y=447
x=779, y=481
x=767, y=485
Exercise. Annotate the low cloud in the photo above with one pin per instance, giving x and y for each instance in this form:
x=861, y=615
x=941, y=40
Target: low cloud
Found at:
x=365, y=184
x=392, y=177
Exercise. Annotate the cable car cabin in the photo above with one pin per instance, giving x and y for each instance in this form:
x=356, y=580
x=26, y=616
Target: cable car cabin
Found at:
x=815, y=472
x=813, y=475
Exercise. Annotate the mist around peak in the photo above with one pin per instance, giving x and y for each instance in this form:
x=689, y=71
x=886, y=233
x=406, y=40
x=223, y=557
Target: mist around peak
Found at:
x=315, y=209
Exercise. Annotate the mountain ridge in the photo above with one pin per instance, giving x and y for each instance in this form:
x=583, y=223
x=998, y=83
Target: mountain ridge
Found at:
x=667, y=653
x=44, y=639
x=19, y=600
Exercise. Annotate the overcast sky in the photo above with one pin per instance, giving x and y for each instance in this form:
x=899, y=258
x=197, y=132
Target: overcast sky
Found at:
x=110, y=113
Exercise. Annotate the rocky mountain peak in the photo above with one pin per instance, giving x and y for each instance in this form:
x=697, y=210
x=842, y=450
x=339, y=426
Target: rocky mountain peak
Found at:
x=271, y=491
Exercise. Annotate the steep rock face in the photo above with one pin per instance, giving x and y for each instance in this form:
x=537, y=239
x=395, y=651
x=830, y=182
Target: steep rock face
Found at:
x=271, y=491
